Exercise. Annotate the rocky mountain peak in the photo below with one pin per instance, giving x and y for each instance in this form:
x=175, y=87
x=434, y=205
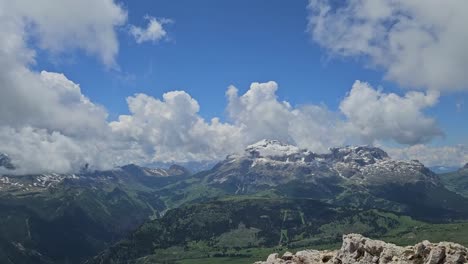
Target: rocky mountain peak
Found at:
x=279, y=151
x=362, y=155
x=5, y=162
x=272, y=163
x=275, y=148
x=466, y=166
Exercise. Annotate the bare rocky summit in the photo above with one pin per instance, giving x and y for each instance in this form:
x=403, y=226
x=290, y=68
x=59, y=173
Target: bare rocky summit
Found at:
x=359, y=249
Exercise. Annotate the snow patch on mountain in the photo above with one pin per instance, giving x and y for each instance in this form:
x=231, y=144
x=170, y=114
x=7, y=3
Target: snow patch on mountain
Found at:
x=271, y=162
x=272, y=148
x=276, y=152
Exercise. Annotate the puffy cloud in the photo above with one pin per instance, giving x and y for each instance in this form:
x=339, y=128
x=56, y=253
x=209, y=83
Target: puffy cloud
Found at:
x=259, y=114
x=420, y=44
x=374, y=115
x=59, y=26
x=38, y=150
x=366, y=116
x=50, y=101
x=171, y=129
x=46, y=123
x=450, y=156
x=153, y=32
x=35, y=150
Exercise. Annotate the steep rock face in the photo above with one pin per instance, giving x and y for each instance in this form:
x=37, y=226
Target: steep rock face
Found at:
x=395, y=171
x=359, y=249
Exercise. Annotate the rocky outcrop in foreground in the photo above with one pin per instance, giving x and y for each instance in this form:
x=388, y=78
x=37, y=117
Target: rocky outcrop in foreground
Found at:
x=359, y=249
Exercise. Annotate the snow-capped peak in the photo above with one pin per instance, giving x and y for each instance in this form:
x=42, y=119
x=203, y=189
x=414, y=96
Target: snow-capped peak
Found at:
x=361, y=154
x=272, y=148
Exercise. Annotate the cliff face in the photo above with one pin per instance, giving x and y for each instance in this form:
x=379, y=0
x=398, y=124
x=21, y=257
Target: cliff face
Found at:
x=359, y=249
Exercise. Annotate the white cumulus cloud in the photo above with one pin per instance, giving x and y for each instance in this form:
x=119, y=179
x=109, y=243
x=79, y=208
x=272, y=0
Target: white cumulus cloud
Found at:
x=451, y=156
x=48, y=125
x=259, y=114
x=374, y=115
x=59, y=26
x=419, y=43
x=171, y=129
x=153, y=32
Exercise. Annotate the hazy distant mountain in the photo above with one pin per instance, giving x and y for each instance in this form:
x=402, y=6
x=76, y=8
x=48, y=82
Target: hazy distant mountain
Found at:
x=192, y=166
x=457, y=181
x=443, y=169
x=128, y=173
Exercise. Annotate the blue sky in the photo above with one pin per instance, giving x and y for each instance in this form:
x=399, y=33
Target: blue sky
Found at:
x=211, y=45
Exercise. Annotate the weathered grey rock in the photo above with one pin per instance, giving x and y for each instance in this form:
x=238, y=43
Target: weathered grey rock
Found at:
x=359, y=249
x=272, y=257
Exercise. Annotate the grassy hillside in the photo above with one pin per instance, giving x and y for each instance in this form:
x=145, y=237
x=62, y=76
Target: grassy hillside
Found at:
x=69, y=224
x=243, y=229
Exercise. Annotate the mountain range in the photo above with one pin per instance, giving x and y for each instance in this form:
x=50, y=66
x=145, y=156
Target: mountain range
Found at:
x=66, y=218
x=271, y=196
